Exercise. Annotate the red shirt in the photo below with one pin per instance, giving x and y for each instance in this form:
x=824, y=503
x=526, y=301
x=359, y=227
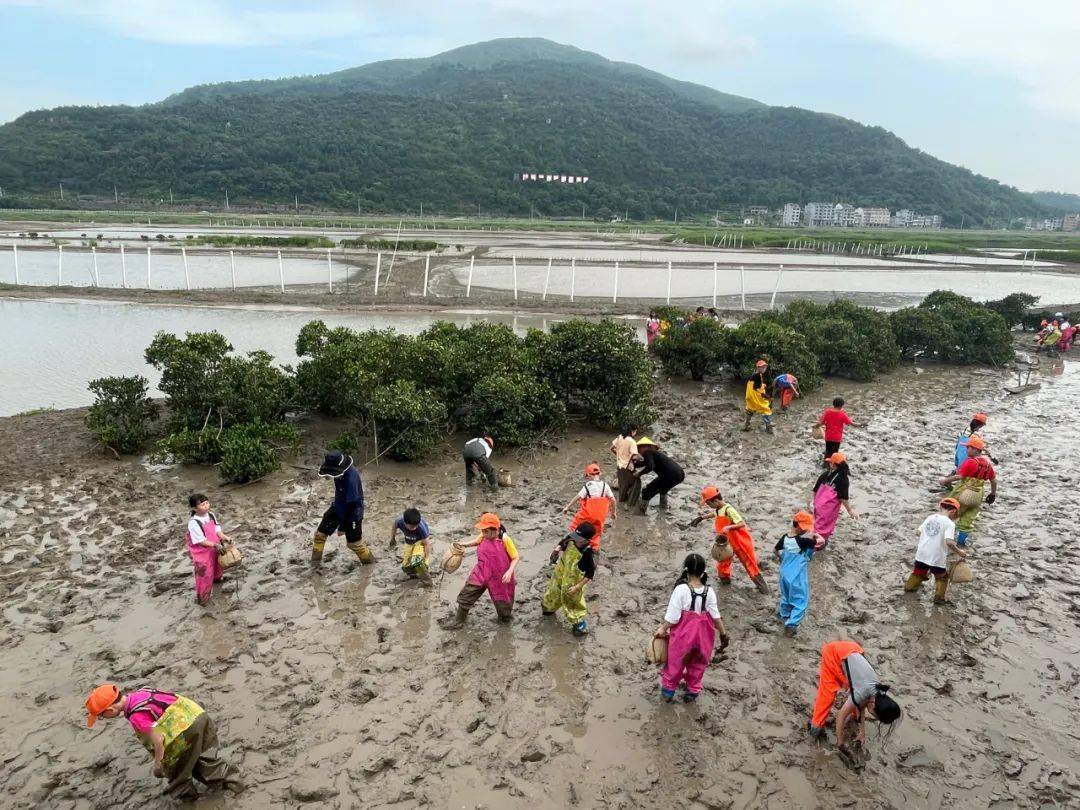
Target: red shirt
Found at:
x=977, y=467
x=834, y=420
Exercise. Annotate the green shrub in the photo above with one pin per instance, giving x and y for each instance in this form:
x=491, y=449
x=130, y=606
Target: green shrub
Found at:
x=250, y=388
x=972, y=333
x=848, y=340
x=409, y=421
x=252, y=450
x=122, y=412
x=189, y=369
x=450, y=359
x=696, y=349
x=1013, y=307
x=786, y=350
x=515, y=408
x=189, y=446
x=920, y=331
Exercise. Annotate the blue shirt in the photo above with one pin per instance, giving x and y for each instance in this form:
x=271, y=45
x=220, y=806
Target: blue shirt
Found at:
x=783, y=381
x=349, y=495
x=421, y=532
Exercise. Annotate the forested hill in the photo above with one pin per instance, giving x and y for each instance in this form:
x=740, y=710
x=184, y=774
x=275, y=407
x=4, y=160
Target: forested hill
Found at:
x=452, y=131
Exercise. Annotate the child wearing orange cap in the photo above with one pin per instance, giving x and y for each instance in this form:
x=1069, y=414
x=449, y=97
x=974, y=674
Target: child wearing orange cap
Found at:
x=730, y=525
x=969, y=485
x=787, y=385
x=496, y=559
x=978, y=422
x=793, y=552
x=178, y=733
x=757, y=396
x=936, y=540
x=831, y=493
x=595, y=500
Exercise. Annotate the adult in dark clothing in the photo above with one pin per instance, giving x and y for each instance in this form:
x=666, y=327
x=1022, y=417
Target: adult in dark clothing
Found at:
x=668, y=474
x=346, y=514
x=477, y=456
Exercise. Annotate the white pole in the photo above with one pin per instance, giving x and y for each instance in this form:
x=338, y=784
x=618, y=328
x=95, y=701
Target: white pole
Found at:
x=714, y=285
x=779, y=273
x=148, y=267
x=93, y=256
x=187, y=278
x=123, y=268
x=513, y=260
x=547, y=280
x=232, y=269
x=60, y=266
x=378, y=269
x=329, y=270
x=742, y=281
x=427, y=269
x=468, y=284
x=281, y=272
x=15, y=252
x=615, y=294
x=669, y=282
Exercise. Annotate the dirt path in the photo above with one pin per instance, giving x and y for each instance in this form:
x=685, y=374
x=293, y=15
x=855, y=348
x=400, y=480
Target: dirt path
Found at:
x=340, y=688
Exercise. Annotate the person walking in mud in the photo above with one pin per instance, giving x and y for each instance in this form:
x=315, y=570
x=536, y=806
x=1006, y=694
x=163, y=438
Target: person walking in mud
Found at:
x=346, y=513
x=691, y=623
x=834, y=420
x=176, y=731
x=831, y=493
x=496, y=560
x=786, y=387
x=624, y=447
x=477, y=456
x=416, y=556
x=794, y=551
x=204, y=543
x=757, y=396
x=595, y=501
x=575, y=568
x=936, y=539
x=968, y=487
x=730, y=526
x=978, y=422
x=844, y=667
x=668, y=474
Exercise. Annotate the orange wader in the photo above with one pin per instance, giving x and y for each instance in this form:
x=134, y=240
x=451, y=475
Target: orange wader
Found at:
x=786, y=395
x=593, y=510
x=831, y=678
x=741, y=543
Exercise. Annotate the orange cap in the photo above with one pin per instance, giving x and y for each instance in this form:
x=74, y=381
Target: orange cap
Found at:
x=977, y=442
x=951, y=503
x=592, y=469
x=837, y=458
x=488, y=520
x=709, y=493
x=100, y=699
x=804, y=520
x=760, y=364
x=979, y=417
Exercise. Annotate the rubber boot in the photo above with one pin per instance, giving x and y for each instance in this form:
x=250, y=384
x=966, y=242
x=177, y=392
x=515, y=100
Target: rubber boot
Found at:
x=749, y=418
x=318, y=543
x=663, y=500
x=769, y=427
x=940, y=586
x=762, y=586
x=914, y=582
x=455, y=621
x=643, y=507
x=362, y=552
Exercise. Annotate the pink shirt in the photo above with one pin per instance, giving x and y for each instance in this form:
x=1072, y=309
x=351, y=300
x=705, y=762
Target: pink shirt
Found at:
x=143, y=720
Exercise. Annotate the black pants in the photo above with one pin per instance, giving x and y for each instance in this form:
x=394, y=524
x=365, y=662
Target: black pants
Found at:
x=660, y=486
x=831, y=447
x=629, y=486
x=484, y=464
x=353, y=528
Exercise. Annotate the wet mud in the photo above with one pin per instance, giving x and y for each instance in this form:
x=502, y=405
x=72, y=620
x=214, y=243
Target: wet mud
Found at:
x=338, y=688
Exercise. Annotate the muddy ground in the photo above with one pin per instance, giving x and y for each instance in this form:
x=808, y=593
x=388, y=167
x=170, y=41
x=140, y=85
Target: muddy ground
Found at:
x=339, y=688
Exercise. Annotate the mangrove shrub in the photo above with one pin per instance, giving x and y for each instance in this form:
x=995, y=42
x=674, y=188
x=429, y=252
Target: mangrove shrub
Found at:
x=517, y=407
x=122, y=412
x=409, y=421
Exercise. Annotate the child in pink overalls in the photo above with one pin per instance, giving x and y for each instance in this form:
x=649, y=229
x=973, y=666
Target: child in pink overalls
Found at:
x=496, y=559
x=204, y=538
x=690, y=624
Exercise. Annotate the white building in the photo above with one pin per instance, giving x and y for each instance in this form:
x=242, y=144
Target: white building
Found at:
x=844, y=216
x=818, y=214
x=792, y=214
x=929, y=221
x=1070, y=222
x=872, y=217
x=903, y=218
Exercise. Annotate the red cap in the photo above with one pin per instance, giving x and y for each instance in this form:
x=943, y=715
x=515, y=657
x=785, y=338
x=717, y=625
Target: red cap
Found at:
x=488, y=520
x=709, y=493
x=592, y=469
x=100, y=699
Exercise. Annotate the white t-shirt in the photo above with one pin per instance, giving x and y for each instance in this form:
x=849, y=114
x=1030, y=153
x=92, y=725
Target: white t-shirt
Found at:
x=933, y=534
x=595, y=489
x=195, y=529
x=680, y=601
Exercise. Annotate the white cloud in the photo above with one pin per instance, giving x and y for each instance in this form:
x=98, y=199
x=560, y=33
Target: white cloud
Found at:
x=1031, y=43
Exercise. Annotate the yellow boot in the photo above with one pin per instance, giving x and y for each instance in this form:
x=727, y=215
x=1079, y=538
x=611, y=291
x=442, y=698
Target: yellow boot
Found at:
x=318, y=543
x=362, y=552
x=941, y=584
x=914, y=582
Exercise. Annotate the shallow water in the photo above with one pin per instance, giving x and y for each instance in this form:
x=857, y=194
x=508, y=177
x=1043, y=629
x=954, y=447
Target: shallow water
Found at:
x=54, y=348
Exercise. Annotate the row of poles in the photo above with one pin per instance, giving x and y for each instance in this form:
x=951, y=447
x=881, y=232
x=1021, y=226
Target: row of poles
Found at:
x=857, y=248
x=380, y=281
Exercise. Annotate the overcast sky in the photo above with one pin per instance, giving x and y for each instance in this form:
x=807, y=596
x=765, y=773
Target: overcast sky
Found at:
x=993, y=86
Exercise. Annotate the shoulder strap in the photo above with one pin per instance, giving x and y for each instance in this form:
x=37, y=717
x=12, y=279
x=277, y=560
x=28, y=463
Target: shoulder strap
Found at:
x=152, y=705
x=694, y=596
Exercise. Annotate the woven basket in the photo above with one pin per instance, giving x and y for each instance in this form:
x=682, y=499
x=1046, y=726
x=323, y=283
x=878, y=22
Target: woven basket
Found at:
x=961, y=572
x=451, y=560
x=818, y=432
x=656, y=651
x=230, y=557
x=505, y=479
x=721, y=549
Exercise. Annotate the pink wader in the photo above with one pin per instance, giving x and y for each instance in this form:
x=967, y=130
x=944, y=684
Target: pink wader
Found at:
x=826, y=510
x=690, y=649
x=492, y=560
x=205, y=558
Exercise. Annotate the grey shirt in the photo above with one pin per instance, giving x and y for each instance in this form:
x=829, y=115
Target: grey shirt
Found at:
x=862, y=678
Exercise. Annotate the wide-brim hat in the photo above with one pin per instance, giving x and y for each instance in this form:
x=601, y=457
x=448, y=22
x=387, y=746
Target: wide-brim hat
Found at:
x=335, y=464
